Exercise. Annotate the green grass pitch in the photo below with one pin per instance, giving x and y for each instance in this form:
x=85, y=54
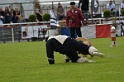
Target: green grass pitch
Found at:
x=27, y=62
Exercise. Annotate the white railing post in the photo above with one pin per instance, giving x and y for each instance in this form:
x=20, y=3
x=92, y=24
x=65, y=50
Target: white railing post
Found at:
x=12, y=34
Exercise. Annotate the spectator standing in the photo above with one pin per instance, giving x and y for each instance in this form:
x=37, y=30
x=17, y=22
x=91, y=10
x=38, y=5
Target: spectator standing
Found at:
x=84, y=8
x=2, y=15
x=122, y=20
x=38, y=15
x=122, y=4
x=94, y=6
x=7, y=15
x=15, y=16
x=60, y=12
x=74, y=17
x=54, y=25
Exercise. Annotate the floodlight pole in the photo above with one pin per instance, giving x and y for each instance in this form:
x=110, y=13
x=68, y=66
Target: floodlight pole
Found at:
x=52, y=5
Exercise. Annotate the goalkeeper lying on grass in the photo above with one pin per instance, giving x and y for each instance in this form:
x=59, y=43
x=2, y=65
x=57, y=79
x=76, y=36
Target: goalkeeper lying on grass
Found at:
x=69, y=47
